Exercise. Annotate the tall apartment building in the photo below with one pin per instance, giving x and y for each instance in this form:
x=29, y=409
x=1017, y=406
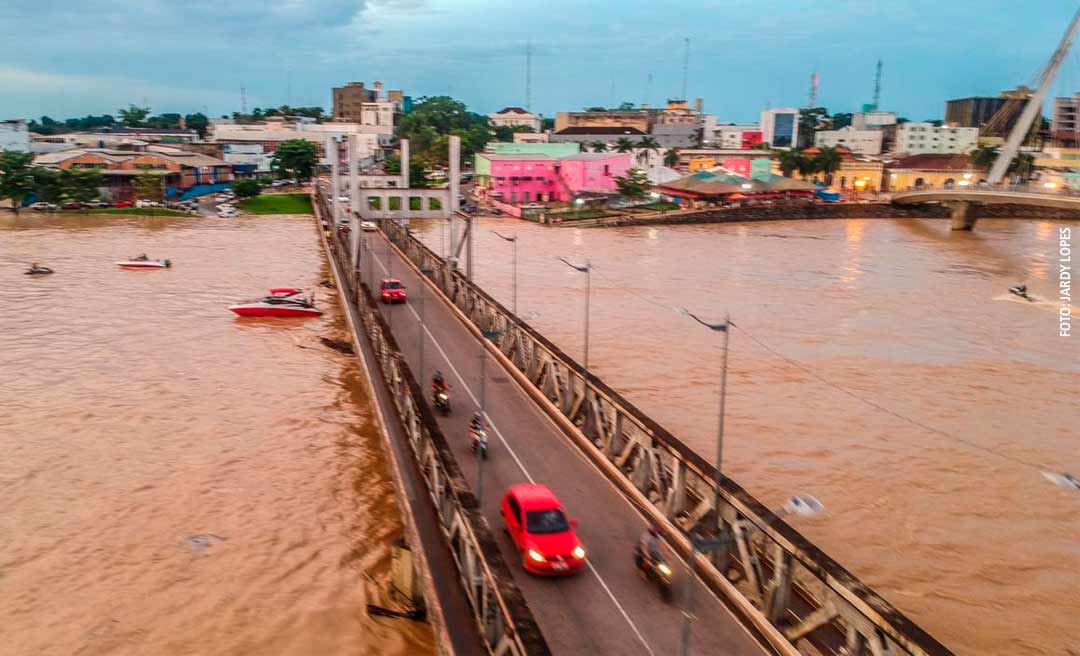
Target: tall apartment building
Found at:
x=780, y=127
x=977, y=112
x=354, y=103
x=925, y=138
x=735, y=137
x=1065, y=123
x=861, y=142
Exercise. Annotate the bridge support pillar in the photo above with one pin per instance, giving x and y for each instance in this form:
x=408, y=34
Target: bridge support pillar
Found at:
x=963, y=215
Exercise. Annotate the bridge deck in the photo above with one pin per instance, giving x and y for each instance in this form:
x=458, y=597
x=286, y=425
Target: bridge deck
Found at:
x=607, y=608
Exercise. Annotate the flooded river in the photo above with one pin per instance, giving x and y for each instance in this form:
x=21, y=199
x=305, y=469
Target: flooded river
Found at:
x=922, y=401
x=176, y=480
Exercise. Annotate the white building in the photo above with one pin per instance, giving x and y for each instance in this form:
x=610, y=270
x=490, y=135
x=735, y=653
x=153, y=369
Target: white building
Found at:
x=923, y=138
x=862, y=142
x=15, y=135
x=780, y=127
x=873, y=120
x=510, y=116
x=254, y=144
x=731, y=136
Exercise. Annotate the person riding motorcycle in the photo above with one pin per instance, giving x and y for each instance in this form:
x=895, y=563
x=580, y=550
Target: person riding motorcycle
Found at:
x=476, y=423
x=438, y=383
x=648, y=546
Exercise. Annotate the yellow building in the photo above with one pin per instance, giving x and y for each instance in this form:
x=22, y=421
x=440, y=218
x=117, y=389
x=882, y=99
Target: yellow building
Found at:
x=930, y=171
x=852, y=174
x=695, y=164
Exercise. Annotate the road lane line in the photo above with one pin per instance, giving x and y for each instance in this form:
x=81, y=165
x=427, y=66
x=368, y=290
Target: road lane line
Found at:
x=521, y=466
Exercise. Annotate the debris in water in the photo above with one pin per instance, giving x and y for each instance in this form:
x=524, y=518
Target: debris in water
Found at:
x=201, y=541
x=338, y=345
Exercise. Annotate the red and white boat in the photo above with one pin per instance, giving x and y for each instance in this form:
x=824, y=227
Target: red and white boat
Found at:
x=282, y=302
x=143, y=262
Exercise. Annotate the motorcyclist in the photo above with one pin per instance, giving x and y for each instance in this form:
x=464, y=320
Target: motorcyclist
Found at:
x=438, y=383
x=648, y=547
x=476, y=423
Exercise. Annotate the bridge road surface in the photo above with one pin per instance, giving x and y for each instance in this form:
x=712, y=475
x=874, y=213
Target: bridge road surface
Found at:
x=606, y=608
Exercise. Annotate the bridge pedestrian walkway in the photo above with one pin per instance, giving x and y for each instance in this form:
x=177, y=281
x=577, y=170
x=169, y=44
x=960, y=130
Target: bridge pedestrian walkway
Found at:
x=607, y=608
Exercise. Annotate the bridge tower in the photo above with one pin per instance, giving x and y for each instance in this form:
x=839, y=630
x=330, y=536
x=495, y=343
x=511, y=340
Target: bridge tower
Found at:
x=1033, y=107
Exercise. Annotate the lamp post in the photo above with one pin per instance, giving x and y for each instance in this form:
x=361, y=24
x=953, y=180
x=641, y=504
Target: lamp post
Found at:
x=513, y=240
x=803, y=505
x=587, y=270
x=578, y=202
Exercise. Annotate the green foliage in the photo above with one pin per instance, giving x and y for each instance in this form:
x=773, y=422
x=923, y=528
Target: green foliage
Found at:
x=433, y=120
x=827, y=161
x=789, y=161
x=247, y=188
x=625, y=106
x=624, y=145
x=16, y=177
x=148, y=187
x=417, y=174
x=133, y=116
x=598, y=146
x=277, y=204
x=81, y=185
x=506, y=132
x=47, y=185
x=671, y=158
x=295, y=158
x=647, y=145
x=197, y=122
x=634, y=184
x=983, y=157
x=841, y=120
x=811, y=120
x=548, y=124
x=392, y=165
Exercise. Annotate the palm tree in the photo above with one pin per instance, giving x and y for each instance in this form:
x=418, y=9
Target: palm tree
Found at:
x=598, y=146
x=1022, y=166
x=788, y=161
x=647, y=145
x=983, y=157
x=828, y=162
x=671, y=158
x=805, y=164
x=624, y=145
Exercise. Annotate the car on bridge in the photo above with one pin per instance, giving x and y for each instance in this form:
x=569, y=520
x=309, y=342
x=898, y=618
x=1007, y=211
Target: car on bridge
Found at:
x=541, y=532
x=392, y=291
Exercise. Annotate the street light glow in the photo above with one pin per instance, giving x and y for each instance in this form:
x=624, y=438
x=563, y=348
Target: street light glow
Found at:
x=746, y=185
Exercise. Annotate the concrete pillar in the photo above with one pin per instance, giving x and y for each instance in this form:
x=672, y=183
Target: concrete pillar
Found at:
x=332, y=155
x=963, y=215
x=404, y=181
x=354, y=198
x=455, y=172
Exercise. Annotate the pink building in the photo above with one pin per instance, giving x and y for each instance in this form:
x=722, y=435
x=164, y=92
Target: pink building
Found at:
x=534, y=178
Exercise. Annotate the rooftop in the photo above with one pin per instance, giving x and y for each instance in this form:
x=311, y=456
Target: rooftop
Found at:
x=513, y=110
x=601, y=131
x=933, y=162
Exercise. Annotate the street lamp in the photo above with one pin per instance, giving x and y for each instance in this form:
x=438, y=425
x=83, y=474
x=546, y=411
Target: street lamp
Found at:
x=803, y=505
x=587, y=270
x=578, y=202
x=514, y=241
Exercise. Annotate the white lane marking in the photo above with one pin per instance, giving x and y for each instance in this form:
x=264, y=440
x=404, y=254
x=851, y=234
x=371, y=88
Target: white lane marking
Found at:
x=521, y=466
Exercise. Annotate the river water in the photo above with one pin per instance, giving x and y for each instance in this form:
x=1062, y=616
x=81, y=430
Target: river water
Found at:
x=177, y=480
x=918, y=400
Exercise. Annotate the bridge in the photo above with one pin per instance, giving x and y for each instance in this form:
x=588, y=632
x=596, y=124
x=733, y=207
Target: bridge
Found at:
x=963, y=203
x=762, y=589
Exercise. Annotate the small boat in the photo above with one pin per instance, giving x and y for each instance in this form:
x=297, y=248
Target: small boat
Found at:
x=143, y=262
x=282, y=302
x=37, y=270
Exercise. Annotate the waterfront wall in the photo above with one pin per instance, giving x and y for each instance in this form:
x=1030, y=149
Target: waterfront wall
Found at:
x=775, y=578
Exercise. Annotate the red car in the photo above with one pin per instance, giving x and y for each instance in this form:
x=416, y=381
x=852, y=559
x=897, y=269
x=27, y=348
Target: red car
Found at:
x=124, y=203
x=541, y=532
x=392, y=291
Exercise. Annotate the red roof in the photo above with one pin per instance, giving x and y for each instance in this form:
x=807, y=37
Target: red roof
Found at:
x=511, y=110
x=933, y=162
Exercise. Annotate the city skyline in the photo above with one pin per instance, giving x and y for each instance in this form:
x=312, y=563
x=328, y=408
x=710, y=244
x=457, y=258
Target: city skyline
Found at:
x=752, y=56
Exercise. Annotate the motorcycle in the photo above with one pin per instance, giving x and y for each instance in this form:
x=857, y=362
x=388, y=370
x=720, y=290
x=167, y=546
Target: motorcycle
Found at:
x=656, y=571
x=479, y=442
x=442, y=401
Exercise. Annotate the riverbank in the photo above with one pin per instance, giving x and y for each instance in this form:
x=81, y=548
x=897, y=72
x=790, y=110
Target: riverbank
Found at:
x=277, y=204
x=819, y=211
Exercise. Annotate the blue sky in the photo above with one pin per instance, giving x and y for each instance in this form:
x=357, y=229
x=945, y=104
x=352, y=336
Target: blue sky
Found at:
x=74, y=57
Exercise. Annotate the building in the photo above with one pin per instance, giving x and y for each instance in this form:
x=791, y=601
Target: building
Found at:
x=531, y=137
x=597, y=134
x=511, y=116
x=780, y=127
x=15, y=135
x=184, y=174
x=675, y=119
x=736, y=160
x=482, y=163
x=926, y=138
x=980, y=111
x=535, y=178
x=1064, y=123
x=721, y=186
x=632, y=119
x=925, y=171
x=860, y=142
x=353, y=103
x=119, y=136
x=260, y=140
x=734, y=137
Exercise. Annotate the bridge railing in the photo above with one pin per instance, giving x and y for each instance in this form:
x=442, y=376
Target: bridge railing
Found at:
x=800, y=590
x=505, y=623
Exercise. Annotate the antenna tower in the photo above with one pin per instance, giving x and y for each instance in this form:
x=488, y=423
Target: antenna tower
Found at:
x=685, y=64
x=877, y=85
x=812, y=101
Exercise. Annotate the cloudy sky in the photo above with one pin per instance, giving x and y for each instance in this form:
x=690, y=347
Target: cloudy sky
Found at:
x=73, y=57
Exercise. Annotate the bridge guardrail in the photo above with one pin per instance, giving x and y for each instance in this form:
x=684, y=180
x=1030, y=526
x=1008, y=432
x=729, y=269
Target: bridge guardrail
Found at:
x=799, y=589
x=506, y=624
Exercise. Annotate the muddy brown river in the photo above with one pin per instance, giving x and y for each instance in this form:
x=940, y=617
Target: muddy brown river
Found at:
x=918, y=399
x=176, y=480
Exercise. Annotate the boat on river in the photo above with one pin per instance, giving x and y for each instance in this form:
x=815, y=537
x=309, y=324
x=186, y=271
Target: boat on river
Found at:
x=143, y=262
x=282, y=302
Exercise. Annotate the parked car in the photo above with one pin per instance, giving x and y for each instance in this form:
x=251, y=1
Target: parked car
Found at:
x=541, y=531
x=392, y=291
x=73, y=206
x=42, y=206
x=96, y=203
x=124, y=203
x=368, y=226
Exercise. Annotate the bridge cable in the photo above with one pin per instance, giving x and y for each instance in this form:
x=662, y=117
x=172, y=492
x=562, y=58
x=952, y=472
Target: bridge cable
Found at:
x=840, y=388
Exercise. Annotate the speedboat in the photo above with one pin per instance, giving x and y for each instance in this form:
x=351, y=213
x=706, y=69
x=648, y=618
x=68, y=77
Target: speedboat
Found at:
x=282, y=302
x=143, y=262
x=38, y=270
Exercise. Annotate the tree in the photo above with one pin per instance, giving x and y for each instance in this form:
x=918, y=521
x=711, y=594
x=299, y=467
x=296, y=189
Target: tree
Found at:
x=506, y=132
x=805, y=164
x=625, y=106
x=148, y=187
x=47, y=186
x=624, y=145
x=598, y=146
x=1022, y=165
x=841, y=120
x=16, y=177
x=634, y=184
x=81, y=185
x=247, y=188
x=671, y=158
x=133, y=116
x=828, y=162
x=811, y=120
x=983, y=157
x=647, y=145
x=788, y=160
x=392, y=165
x=295, y=158
x=197, y=122
x=417, y=175
x=548, y=124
